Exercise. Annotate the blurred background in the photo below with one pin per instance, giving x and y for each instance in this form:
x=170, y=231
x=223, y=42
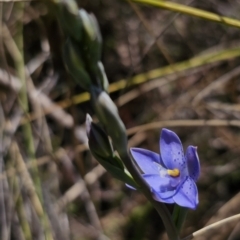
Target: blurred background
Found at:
x=184, y=74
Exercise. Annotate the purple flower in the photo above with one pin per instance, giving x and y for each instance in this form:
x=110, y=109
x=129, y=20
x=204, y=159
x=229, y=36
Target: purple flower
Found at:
x=171, y=175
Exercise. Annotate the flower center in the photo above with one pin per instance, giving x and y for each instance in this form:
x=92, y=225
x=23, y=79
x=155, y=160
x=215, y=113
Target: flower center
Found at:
x=174, y=173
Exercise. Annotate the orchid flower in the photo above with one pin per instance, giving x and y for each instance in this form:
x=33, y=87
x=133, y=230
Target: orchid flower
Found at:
x=171, y=175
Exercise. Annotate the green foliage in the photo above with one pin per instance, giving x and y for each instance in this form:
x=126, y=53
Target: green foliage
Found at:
x=75, y=64
x=113, y=166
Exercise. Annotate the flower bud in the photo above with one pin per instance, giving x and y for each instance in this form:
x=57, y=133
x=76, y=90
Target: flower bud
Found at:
x=102, y=76
x=107, y=113
x=69, y=18
x=75, y=64
x=98, y=139
x=92, y=38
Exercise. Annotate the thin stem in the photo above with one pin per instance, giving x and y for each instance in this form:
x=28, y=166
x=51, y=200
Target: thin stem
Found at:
x=18, y=200
x=15, y=47
x=184, y=123
x=175, y=7
x=179, y=215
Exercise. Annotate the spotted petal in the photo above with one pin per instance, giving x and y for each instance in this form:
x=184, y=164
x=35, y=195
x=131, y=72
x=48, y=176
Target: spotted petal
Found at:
x=171, y=150
x=147, y=160
x=193, y=164
x=187, y=194
x=161, y=185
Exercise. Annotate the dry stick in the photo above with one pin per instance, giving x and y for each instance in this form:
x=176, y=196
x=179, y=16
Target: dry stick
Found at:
x=184, y=123
x=40, y=122
x=27, y=180
x=213, y=227
x=18, y=200
x=88, y=203
x=15, y=53
x=230, y=108
x=44, y=139
x=22, y=215
x=156, y=37
x=168, y=24
x=157, y=83
x=4, y=228
x=17, y=234
x=58, y=113
x=197, y=61
x=41, y=161
x=2, y=51
x=216, y=84
x=134, y=130
x=235, y=232
x=230, y=208
x=145, y=52
x=151, y=32
x=14, y=82
x=16, y=50
x=44, y=101
x=79, y=187
x=91, y=211
x=59, y=222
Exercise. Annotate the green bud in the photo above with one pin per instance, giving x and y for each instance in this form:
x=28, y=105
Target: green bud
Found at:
x=92, y=38
x=98, y=139
x=75, y=65
x=69, y=18
x=100, y=146
x=102, y=76
x=107, y=113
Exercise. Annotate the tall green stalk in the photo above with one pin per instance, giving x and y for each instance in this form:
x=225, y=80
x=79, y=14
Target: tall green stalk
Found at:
x=195, y=12
x=18, y=58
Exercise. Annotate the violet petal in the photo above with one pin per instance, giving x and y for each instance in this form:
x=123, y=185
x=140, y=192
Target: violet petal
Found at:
x=161, y=185
x=158, y=197
x=146, y=160
x=193, y=164
x=187, y=194
x=171, y=150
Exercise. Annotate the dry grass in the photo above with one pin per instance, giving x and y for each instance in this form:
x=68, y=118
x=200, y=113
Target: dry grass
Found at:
x=165, y=70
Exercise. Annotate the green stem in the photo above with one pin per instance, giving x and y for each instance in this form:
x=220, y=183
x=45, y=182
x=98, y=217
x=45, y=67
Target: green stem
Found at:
x=175, y=7
x=179, y=215
x=17, y=55
x=22, y=95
